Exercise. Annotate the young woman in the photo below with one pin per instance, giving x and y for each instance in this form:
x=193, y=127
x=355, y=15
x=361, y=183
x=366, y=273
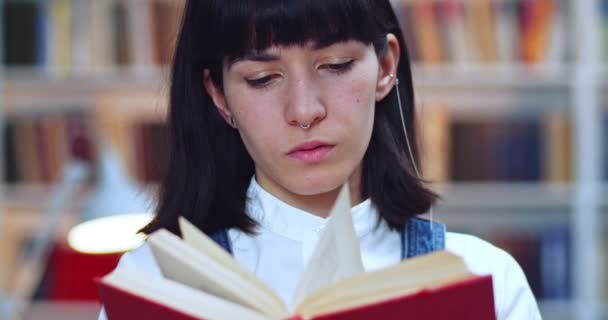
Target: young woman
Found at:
x=274, y=105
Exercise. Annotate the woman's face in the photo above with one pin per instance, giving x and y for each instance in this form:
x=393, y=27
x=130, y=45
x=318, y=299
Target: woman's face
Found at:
x=268, y=96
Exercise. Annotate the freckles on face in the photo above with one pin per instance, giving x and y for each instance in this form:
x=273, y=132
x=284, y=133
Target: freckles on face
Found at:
x=302, y=86
x=356, y=109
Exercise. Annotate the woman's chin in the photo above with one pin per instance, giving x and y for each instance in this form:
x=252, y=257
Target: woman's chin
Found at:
x=312, y=187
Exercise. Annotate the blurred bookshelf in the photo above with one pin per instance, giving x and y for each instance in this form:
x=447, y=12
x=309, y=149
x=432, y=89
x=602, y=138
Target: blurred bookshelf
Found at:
x=508, y=94
x=510, y=97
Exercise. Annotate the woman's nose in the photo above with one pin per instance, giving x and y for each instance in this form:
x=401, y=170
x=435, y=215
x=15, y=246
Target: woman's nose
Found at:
x=304, y=104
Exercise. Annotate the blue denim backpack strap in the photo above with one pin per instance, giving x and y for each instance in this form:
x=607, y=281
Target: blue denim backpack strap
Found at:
x=221, y=237
x=417, y=237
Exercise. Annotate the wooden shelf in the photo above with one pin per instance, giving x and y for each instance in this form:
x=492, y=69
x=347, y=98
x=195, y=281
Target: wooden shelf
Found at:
x=129, y=97
x=505, y=195
x=529, y=206
x=484, y=76
x=34, y=196
x=113, y=72
x=466, y=195
x=473, y=90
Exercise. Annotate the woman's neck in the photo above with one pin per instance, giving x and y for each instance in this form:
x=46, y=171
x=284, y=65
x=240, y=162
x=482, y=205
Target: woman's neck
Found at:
x=317, y=204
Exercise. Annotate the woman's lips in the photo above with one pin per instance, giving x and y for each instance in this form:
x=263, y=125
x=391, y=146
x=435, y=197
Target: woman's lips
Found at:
x=311, y=154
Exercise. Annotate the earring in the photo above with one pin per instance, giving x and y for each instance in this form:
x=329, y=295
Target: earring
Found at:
x=232, y=121
x=409, y=148
x=407, y=138
x=392, y=75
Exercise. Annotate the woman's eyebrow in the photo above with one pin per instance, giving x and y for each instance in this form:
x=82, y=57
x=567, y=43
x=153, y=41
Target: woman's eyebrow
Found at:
x=268, y=57
x=324, y=43
x=254, y=56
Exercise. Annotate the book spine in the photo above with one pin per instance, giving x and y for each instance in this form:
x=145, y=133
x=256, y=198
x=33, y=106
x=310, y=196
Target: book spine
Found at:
x=505, y=14
x=426, y=30
x=10, y=150
x=554, y=263
x=42, y=44
x=20, y=27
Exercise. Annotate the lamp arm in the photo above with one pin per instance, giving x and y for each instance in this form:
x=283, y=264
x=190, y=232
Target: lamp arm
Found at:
x=33, y=262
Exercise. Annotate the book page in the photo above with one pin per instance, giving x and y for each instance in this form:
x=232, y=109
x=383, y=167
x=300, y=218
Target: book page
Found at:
x=337, y=255
x=180, y=262
x=177, y=296
x=205, y=245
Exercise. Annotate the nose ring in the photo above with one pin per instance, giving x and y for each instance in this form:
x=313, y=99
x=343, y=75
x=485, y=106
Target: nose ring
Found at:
x=304, y=126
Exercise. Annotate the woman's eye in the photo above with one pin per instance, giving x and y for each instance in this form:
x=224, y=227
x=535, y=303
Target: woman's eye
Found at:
x=260, y=82
x=340, y=67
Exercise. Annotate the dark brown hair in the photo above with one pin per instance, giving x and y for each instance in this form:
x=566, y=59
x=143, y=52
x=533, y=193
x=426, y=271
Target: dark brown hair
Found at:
x=209, y=169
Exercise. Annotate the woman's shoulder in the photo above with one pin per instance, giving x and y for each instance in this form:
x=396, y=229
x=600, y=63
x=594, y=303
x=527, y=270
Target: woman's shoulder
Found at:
x=512, y=293
x=140, y=259
x=480, y=256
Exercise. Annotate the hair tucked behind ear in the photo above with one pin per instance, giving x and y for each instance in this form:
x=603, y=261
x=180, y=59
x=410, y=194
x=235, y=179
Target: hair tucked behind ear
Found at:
x=209, y=168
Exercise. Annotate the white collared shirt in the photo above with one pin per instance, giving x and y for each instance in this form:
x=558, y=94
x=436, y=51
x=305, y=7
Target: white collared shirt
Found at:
x=286, y=237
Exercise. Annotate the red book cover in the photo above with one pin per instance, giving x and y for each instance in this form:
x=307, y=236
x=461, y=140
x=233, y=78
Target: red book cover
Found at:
x=122, y=305
x=468, y=299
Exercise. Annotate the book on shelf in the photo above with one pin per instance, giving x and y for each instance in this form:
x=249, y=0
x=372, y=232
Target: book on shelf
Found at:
x=434, y=128
x=37, y=146
x=555, y=268
x=557, y=147
x=545, y=257
x=481, y=30
x=202, y=281
x=489, y=148
x=484, y=31
x=543, y=253
x=21, y=47
x=66, y=36
x=426, y=32
x=81, y=36
x=525, y=249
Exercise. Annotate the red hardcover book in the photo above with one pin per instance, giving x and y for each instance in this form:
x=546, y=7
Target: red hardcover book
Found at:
x=202, y=281
x=468, y=299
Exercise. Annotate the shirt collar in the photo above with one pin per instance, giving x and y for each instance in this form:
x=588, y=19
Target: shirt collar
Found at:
x=281, y=218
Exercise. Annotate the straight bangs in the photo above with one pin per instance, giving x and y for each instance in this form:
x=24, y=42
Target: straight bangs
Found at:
x=246, y=26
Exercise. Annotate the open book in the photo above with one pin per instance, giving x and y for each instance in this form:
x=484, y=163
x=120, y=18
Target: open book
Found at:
x=202, y=281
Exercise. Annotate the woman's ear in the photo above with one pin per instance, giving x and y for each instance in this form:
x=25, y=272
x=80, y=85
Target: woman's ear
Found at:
x=218, y=98
x=387, y=69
